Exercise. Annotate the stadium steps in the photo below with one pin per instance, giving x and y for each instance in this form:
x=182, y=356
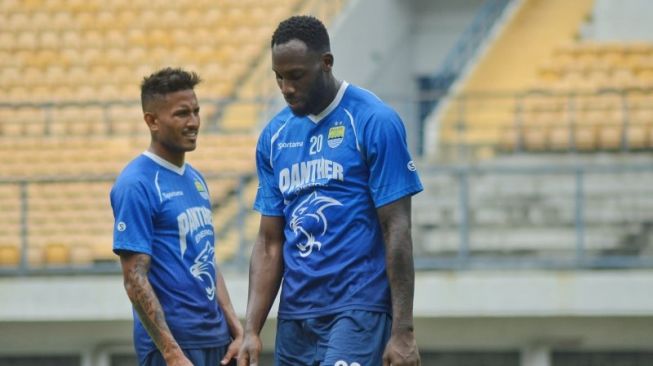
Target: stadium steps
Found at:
x=513, y=213
x=509, y=65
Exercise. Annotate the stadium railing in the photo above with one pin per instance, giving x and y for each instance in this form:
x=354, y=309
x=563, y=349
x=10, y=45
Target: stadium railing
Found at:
x=472, y=219
x=535, y=214
x=26, y=249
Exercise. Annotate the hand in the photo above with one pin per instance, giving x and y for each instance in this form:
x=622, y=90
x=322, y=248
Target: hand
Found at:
x=232, y=350
x=250, y=350
x=401, y=350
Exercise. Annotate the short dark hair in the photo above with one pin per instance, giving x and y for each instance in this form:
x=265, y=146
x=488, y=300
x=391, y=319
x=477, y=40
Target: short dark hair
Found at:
x=305, y=28
x=165, y=81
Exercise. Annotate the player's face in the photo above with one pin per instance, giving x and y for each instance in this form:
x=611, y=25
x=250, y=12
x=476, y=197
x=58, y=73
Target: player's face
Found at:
x=301, y=75
x=175, y=125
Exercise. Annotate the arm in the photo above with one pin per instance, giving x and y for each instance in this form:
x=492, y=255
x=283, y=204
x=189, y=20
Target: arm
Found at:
x=396, y=222
x=265, y=271
x=235, y=328
x=135, y=267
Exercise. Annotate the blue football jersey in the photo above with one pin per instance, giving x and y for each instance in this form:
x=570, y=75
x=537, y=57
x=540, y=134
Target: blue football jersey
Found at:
x=164, y=211
x=327, y=175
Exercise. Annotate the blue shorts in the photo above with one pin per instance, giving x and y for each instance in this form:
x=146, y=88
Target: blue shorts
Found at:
x=199, y=357
x=350, y=338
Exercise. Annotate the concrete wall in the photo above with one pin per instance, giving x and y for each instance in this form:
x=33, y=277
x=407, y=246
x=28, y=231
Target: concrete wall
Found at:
x=622, y=20
x=380, y=41
x=384, y=45
x=466, y=310
x=437, y=25
x=372, y=46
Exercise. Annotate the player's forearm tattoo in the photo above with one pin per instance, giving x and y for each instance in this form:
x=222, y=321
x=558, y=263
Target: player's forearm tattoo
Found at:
x=147, y=305
x=401, y=272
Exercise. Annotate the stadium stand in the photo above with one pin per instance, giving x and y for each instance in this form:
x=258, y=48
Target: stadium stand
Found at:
x=82, y=49
x=539, y=90
x=479, y=121
x=57, y=211
x=600, y=91
x=508, y=210
x=69, y=117
x=552, y=93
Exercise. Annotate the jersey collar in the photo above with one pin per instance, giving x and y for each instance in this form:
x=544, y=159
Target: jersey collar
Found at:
x=334, y=103
x=164, y=163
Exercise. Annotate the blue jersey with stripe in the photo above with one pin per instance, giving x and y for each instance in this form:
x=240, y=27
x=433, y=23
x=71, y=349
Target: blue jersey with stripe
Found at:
x=164, y=211
x=327, y=175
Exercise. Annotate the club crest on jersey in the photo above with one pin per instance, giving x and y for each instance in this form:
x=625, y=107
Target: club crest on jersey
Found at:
x=309, y=222
x=336, y=134
x=201, y=189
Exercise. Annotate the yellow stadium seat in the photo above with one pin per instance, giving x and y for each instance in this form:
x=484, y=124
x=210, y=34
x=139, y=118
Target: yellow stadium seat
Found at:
x=19, y=21
x=71, y=39
x=7, y=41
x=241, y=116
x=60, y=20
x=610, y=136
x=57, y=254
x=9, y=255
x=49, y=40
x=227, y=246
x=560, y=137
x=81, y=255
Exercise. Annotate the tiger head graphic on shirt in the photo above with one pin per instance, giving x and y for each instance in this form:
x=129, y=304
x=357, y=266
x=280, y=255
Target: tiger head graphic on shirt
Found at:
x=309, y=221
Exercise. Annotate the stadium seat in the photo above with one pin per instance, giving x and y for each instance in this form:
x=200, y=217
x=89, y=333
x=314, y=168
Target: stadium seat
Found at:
x=9, y=255
x=57, y=254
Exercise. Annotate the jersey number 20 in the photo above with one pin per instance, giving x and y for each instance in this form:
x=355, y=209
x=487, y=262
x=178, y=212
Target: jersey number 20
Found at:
x=316, y=144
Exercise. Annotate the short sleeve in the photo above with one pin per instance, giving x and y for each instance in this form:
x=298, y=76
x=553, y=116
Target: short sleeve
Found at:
x=133, y=218
x=393, y=174
x=269, y=200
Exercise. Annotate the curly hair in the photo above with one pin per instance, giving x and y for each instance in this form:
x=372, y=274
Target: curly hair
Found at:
x=165, y=81
x=305, y=28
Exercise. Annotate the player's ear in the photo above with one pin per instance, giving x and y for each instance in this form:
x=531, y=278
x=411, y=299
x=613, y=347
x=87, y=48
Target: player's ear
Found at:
x=151, y=121
x=327, y=61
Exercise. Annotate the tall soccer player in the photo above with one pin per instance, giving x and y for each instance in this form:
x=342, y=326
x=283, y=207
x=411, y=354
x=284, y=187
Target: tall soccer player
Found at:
x=336, y=181
x=164, y=236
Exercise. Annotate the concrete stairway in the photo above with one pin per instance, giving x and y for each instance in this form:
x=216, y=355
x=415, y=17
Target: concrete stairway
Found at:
x=526, y=206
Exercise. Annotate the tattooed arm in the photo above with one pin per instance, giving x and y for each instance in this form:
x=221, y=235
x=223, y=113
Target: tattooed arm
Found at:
x=395, y=220
x=135, y=267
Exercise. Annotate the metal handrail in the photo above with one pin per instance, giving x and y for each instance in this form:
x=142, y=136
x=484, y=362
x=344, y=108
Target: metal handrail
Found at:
x=468, y=42
x=466, y=259
x=103, y=268
x=579, y=259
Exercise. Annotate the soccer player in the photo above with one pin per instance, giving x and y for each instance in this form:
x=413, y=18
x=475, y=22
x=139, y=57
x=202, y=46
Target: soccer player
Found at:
x=164, y=236
x=335, y=187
